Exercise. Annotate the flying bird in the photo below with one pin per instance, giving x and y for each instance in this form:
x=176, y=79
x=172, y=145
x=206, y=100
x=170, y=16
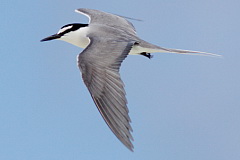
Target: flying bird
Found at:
x=107, y=40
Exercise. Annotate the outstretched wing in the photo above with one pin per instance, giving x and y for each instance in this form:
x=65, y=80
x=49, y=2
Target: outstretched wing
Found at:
x=99, y=17
x=99, y=64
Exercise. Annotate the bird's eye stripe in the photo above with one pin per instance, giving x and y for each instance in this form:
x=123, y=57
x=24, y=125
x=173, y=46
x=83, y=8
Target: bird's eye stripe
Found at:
x=64, y=29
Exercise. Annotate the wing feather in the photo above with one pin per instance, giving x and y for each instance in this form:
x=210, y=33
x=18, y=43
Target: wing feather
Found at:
x=100, y=17
x=99, y=64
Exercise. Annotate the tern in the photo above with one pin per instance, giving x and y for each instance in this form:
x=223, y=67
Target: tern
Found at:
x=107, y=40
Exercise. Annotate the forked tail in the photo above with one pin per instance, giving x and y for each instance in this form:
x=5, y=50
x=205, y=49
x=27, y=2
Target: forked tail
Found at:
x=189, y=52
x=151, y=48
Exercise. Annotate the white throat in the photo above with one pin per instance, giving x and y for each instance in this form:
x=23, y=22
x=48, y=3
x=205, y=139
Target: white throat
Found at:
x=78, y=38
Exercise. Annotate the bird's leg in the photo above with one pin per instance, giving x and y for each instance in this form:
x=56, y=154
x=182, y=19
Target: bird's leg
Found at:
x=148, y=55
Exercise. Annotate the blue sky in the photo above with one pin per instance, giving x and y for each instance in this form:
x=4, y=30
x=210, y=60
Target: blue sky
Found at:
x=182, y=107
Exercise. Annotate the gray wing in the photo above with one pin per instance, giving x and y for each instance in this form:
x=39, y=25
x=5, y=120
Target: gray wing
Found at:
x=99, y=17
x=99, y=64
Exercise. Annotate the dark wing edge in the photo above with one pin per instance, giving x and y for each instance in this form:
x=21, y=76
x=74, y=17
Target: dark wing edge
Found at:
x=99, y=64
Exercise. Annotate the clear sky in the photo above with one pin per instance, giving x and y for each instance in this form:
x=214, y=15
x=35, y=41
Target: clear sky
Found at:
x=182, y=107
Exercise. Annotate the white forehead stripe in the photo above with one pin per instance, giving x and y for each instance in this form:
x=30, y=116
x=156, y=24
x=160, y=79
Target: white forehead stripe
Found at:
x=64, y=29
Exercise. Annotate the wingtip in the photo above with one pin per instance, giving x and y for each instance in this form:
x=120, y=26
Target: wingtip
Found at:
x=130, y=147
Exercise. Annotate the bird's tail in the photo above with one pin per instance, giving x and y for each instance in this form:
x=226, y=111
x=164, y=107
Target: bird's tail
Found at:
x=151, y=48
x=188, y=52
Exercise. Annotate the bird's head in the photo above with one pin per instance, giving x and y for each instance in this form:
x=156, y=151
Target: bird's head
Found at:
x=70, y=33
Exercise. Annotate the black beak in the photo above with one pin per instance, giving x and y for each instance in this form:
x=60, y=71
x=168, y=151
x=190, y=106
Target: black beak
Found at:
x=55, y=36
